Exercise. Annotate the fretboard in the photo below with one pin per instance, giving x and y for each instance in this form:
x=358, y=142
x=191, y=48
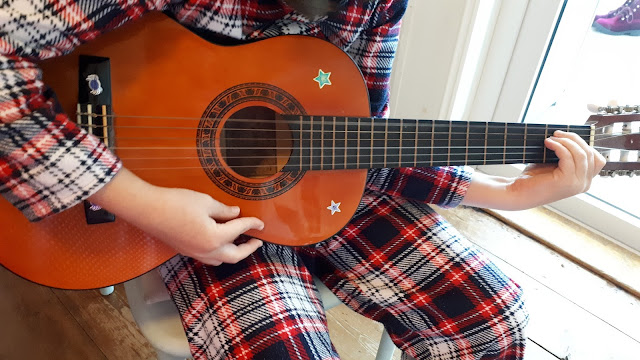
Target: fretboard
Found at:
x=327, y=142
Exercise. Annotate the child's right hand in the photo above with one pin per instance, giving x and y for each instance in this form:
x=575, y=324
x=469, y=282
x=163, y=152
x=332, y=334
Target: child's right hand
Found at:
x=194, y=224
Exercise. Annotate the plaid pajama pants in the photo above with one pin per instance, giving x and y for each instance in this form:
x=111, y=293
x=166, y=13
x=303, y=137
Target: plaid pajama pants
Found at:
x=397, y=262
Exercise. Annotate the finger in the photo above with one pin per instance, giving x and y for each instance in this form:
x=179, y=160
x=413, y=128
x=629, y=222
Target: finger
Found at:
x=589, y=151
x=220, y=211
x=579, y=158
x=230, y=230
x=232, y=253
x=566, y=164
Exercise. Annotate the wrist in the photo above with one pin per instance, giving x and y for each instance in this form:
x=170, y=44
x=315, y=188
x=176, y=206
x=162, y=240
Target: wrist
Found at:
x=126, y=195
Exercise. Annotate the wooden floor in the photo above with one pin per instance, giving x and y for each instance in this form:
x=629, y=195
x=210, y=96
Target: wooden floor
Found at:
x=574, y=313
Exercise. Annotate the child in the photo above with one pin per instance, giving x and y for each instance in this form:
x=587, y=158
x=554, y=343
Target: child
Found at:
x=397, y=261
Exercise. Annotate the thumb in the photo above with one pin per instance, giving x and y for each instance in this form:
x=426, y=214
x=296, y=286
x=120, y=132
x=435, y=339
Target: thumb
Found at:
x=220, y=211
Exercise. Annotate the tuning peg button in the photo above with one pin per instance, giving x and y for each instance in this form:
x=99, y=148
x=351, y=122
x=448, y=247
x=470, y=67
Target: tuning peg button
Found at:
x=593, y=108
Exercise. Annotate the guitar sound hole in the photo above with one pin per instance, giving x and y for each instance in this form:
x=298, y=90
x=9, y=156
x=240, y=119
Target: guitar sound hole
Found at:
x=254, y=143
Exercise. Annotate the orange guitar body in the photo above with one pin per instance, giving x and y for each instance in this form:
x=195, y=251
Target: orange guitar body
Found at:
x=160, y=69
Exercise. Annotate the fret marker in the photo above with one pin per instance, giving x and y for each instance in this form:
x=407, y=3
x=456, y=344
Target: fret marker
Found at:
x=334, y=207
x=95, y=86
x=322, y=79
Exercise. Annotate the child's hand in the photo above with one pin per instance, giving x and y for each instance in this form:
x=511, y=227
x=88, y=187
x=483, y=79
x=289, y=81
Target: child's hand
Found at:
x=200, y=227
x=541, y=183
x=192, y=223
x=579, y=164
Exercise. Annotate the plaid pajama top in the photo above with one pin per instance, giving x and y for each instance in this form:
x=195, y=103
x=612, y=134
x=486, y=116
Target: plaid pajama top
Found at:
x=43, y=155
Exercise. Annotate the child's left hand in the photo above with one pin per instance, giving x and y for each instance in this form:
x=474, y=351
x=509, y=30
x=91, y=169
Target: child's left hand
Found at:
x=540, y=184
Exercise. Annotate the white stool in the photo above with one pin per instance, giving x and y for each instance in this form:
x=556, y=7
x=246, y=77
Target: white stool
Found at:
x=159, y=320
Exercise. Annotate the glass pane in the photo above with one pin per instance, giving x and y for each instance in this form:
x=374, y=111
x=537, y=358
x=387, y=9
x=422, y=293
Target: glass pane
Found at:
x=607, y=68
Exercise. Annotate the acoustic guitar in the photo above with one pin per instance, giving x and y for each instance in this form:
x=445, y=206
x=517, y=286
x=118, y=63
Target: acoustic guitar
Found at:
x=279, y=127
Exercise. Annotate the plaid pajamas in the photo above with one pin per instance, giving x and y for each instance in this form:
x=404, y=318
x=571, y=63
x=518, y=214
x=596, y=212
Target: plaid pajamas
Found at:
x=397, y=261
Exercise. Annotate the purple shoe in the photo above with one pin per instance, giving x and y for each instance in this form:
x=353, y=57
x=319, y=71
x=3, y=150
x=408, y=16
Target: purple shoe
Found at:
x=613, y=13
x=626, y=22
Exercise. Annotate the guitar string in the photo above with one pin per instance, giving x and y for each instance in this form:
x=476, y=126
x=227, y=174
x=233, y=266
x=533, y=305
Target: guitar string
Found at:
x=318, y=148
x=293, y=119
x=530, y=136
x=346, y=131
x=327, y=166
x=339, y=156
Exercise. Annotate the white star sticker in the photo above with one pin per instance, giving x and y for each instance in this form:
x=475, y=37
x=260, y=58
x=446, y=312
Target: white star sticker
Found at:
x=335, y=207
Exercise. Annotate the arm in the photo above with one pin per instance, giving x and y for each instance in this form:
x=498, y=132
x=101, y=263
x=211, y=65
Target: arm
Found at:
x=540, y=184
x=44, y=156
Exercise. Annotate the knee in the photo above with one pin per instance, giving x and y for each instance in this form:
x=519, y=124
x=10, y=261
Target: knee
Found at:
x=510, y=330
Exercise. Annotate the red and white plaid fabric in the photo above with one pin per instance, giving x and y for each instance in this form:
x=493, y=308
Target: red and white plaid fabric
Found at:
x=397, y=261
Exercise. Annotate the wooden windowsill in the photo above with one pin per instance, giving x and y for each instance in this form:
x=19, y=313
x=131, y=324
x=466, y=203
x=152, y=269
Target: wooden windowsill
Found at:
x=594, y=252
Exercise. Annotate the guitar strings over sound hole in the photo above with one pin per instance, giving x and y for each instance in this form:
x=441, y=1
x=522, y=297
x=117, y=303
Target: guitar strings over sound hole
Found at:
x=254, y=144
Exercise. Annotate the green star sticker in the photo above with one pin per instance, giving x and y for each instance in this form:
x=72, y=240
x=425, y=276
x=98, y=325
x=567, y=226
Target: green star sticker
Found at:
x=323, y=78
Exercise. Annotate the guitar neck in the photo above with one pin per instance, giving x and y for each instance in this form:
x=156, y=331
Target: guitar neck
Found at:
x=327, y=142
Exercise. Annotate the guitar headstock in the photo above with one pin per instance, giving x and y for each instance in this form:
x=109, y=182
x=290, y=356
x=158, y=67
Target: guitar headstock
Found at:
x=617, y=137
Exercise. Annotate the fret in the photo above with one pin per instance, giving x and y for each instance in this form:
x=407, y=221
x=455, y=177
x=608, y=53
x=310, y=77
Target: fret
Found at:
x=379, y=143
x=371, y=143
x=514, y=136
x=322, y=143
x=415, y=154
x=441, y=142
x=584, y=131
x=449, y=146
x=536, y=133
x=386, y=142
x=352, y=129
x=333, y=155
x=364, y=143
x=466, y=154
x=486, y=141
x=300, y=142
x=316, y=143
x=524, y=148
x=400, y=147
x=424, y=145
x=546, y=135
x=534, y=143
x=495, y=136
x=327, y=144
x=306, y=141
x=409, y=143
x=339, y=142
x=393, y=143
x=458, y=143
x=477, y=143
x=433, y=141
x=504, y=151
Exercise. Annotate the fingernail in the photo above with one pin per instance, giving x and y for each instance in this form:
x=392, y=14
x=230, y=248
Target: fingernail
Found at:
x=235, y=210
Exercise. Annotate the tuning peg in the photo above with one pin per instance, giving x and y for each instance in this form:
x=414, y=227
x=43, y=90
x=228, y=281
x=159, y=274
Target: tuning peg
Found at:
x=609, y=109
x=614, y=173
x=593, y=108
